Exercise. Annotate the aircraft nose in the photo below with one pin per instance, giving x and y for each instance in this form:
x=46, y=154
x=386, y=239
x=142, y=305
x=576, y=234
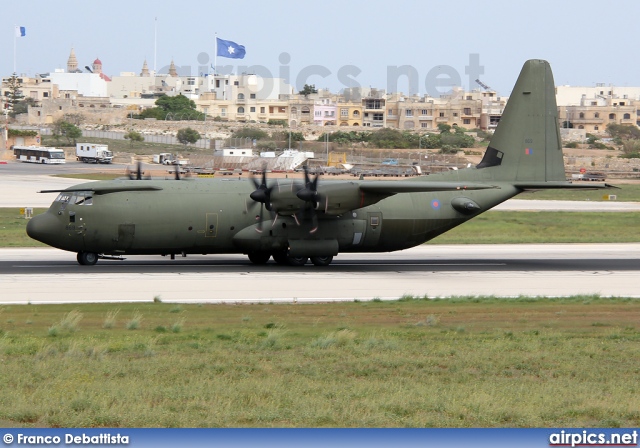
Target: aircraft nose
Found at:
x=42, y=227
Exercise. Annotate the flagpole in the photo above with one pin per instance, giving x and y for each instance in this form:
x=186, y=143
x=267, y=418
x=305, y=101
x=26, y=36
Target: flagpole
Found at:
x=155, y=45
x=14, y=48
x=215, y=54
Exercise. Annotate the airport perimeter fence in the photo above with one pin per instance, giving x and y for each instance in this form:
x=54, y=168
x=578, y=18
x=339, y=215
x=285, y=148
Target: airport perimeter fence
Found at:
x=203, y=143
x=356, y=155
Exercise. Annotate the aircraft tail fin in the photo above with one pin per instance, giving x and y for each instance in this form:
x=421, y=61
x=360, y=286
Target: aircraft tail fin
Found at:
x=526, y=144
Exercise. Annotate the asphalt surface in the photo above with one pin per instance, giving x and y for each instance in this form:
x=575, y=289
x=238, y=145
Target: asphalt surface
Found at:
x=51, y=276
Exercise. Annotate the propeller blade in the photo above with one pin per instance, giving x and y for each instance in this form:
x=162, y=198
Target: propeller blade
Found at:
x=262, y=193
x=309, y=193
x=259, y=227
x=177, y=172
x=139, y=171
x=314, y=221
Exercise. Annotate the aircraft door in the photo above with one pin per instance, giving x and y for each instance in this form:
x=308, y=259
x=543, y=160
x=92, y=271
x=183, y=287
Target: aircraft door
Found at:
x=373, y=228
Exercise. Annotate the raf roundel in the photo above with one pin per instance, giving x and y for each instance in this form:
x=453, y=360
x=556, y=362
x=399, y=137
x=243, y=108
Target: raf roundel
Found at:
x=435, y=204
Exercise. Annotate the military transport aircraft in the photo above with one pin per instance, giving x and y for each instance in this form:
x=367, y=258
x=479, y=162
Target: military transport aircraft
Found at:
x=294, y=221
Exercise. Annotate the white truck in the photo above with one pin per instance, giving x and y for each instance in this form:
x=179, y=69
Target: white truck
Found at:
x=166, y=158
x=93, y=153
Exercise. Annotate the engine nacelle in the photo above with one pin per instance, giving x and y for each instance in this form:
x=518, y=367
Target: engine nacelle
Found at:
x=331, y=199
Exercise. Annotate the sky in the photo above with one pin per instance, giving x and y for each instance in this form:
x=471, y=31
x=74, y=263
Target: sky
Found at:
x=401, y=45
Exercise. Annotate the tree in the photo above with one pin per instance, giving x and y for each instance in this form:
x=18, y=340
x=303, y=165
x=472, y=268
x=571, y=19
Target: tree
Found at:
x=456, y=140
x=133, y=136
x=15, y=93
x=177, y=107
x=69, y=130
x=252, y=133
x=627, y=136
x=623, y=132
x=175, y=103
x=308, y=89
x=444, y=128
x=22, y=107
x=187, y=136
x=287, y=137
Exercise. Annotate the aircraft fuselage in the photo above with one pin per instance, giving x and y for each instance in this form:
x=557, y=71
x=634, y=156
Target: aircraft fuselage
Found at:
x=193, y=216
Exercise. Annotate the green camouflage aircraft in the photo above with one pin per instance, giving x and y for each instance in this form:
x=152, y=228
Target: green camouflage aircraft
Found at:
x=312, y=220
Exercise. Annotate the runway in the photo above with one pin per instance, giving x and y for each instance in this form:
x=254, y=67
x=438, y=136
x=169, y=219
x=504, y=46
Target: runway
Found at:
x=53, y=276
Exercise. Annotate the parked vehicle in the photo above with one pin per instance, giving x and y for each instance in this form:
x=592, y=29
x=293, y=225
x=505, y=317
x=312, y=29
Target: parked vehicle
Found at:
x=166, y=158
x=38, y=154
x=92, y=153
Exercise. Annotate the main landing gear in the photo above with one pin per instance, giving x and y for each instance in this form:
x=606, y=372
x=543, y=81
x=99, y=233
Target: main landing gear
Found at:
x=87, y=258
x=283, y=259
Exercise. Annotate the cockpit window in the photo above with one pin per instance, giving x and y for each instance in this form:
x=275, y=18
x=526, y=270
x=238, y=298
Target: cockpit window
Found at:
x=63, y=197
x=83, y=198
x=76, y=198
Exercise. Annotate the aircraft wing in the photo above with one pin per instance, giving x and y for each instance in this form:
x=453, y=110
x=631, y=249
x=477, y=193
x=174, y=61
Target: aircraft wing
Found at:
x=394, y=187
x=98, y=189
x=562, y=185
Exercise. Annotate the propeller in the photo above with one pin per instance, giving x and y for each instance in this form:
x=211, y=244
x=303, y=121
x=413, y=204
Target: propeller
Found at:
x=262, y=195
x=309, y=194
x=137, y=175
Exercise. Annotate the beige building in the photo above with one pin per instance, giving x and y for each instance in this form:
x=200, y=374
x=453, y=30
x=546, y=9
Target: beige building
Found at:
x=251, y=98
x=349, y=114
x=592, y=108
x=374, y=109
x=470, y=110
x=38, y=88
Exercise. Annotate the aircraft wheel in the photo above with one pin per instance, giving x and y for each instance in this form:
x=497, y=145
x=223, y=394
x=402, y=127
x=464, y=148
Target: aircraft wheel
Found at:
x=322, y=261
x=259, y=257
x=297, y=261
x=280, y=257
x=87, y=258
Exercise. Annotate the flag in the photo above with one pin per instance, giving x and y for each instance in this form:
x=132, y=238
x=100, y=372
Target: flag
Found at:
x=21, y=31
x=228, y=49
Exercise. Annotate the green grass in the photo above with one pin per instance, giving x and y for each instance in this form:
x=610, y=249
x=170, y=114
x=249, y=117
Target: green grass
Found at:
x=513, y=227
x=479, y=362
x=12, y=228
x=625, y=193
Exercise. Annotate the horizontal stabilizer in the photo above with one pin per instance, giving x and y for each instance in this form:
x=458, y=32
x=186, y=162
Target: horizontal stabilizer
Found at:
x=560, y=185
x=394, y=187
x=97, y=189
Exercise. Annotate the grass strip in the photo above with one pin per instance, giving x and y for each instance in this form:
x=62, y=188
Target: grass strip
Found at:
x=414, y=362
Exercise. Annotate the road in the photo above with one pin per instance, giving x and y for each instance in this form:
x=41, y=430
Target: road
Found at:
x=53, y=276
